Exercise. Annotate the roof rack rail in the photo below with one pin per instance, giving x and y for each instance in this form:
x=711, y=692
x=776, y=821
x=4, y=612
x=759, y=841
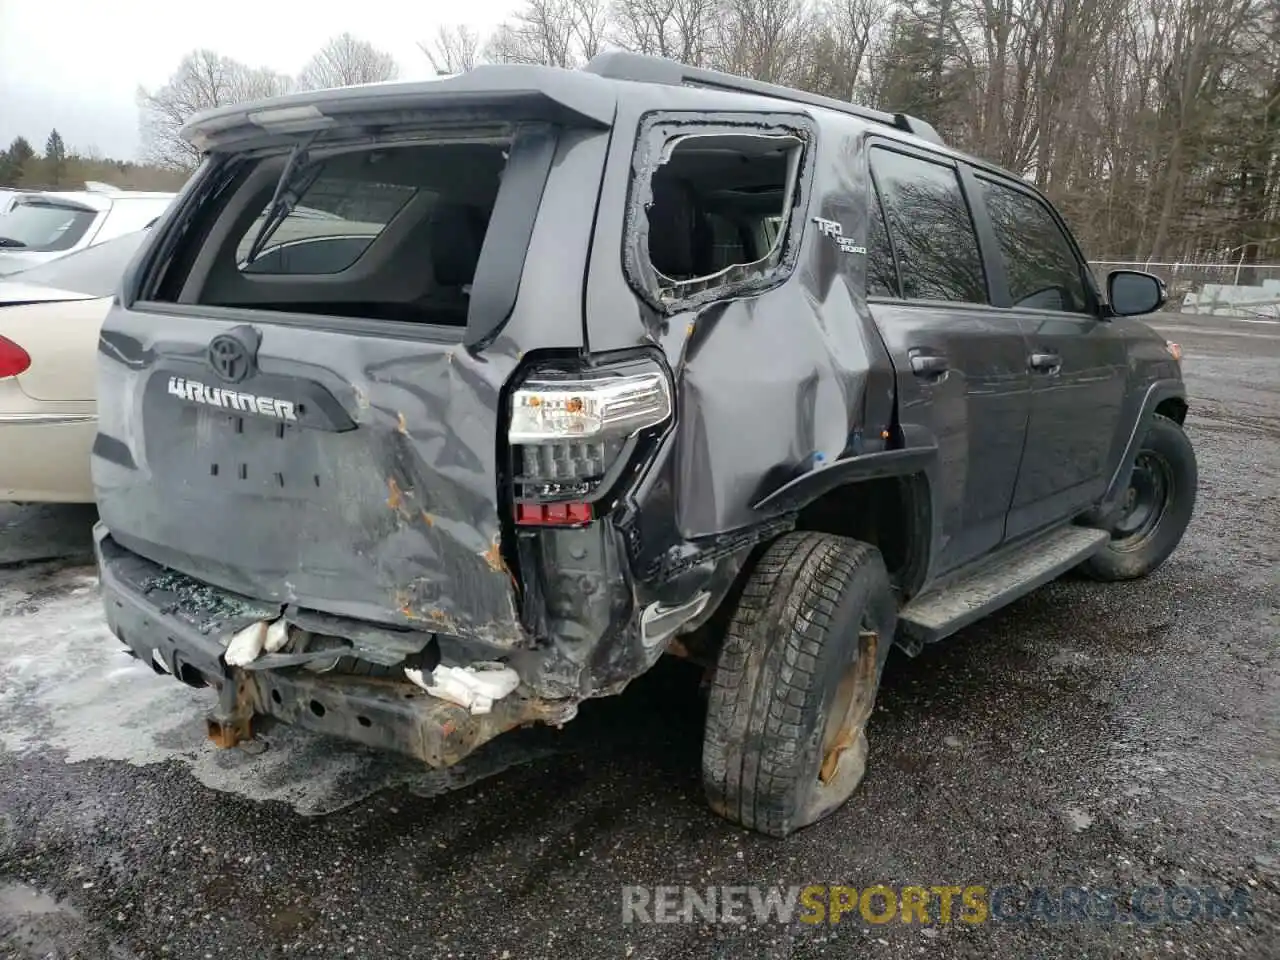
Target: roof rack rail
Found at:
x=620, y=65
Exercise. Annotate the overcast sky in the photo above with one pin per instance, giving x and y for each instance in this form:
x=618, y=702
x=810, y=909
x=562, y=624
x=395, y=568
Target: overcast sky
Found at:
x=76, y=65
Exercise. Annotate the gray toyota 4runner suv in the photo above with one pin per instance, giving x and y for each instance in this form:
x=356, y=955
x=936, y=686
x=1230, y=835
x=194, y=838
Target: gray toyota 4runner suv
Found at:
x=432, y=410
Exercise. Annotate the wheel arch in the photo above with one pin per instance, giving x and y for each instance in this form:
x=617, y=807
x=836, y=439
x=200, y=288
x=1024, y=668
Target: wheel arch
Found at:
x=884, y=499
x=1166, y=397
x=1174, y=408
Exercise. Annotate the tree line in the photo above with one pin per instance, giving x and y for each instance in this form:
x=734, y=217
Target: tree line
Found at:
x=1154, y=125
x=61, y=167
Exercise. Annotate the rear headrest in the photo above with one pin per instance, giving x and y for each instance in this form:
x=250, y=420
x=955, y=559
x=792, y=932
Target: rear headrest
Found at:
x=457, y=233
x=680, y=239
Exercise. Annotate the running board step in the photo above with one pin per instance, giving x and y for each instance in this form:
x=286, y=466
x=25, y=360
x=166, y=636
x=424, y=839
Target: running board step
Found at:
x=1006, y=577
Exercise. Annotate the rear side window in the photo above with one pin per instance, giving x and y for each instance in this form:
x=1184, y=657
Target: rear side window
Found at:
x=719, y=214
x=1042, y=270
x=42, y=226
x=930, y=229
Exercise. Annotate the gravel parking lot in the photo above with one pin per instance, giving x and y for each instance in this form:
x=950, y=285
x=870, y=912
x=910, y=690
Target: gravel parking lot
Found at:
x=1116, y=736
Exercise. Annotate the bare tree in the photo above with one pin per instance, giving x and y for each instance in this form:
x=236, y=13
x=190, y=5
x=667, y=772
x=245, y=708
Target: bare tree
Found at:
x=837, y=45
x=676, y=29
x=557, y=33
x=762, y=38
x=455, y=49
x=203, y=80
x=590, y=19
x=345, y=61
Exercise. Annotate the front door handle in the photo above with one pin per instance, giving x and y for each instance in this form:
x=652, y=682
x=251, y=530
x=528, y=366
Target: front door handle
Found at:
x=1045, y=362
x=928, y=364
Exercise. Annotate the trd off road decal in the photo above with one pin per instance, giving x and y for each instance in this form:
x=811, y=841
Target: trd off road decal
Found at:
x=829, y=228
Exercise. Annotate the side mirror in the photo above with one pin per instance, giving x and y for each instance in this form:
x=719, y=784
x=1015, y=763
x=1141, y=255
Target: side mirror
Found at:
x=1133, y=293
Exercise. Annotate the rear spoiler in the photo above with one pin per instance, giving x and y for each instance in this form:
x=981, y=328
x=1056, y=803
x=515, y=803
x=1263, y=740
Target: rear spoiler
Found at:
x=510, y=91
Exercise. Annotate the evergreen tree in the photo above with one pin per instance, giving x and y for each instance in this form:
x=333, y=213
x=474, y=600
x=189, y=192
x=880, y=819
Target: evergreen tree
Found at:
x=55, y=157
x=14, y=161
x=919, y=75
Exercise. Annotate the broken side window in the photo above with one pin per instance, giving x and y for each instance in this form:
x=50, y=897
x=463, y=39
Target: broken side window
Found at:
x=721, y=209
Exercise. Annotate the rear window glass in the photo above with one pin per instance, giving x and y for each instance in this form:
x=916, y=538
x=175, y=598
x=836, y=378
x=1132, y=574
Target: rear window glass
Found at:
x=392, y=232
x=95, y=270
x=42, y=226
x=334, y=221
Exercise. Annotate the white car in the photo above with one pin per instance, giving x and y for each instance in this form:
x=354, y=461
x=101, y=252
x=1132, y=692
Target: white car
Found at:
x=50, y=318
x=40, y=226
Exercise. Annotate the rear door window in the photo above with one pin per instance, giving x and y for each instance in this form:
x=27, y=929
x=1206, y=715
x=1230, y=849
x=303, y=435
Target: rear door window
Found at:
x=930, y=228
x=1042, y=270
x=882, y=271
x=42, y=226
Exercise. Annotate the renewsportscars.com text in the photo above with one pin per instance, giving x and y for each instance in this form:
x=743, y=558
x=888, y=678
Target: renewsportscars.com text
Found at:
x=941, y=904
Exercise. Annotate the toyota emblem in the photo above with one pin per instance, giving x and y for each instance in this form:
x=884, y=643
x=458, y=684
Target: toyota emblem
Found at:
x=231, y=355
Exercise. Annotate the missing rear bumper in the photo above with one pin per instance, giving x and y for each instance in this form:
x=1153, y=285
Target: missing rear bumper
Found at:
x=380, y=713
x=384, y=712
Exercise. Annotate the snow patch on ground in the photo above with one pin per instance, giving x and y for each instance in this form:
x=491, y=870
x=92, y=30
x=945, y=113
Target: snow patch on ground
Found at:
x=66, y=684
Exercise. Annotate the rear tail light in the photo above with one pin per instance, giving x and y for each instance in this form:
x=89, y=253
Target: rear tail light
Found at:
x=571, y=432
x=13, y=359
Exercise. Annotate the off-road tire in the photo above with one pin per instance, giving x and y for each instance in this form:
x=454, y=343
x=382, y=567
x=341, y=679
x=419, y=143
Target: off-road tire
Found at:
x=813, y=606
x=1127, y=558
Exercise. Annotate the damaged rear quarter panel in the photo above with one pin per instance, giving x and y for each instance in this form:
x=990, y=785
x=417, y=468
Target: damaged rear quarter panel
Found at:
x=772, y=382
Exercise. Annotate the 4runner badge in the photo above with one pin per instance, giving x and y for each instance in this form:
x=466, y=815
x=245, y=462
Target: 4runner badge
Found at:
x=829, y=228
x=196, y=392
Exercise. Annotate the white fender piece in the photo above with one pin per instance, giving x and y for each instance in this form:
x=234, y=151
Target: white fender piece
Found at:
x=475, y=686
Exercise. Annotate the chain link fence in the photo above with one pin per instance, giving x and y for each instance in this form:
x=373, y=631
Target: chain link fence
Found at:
x=1241, y=290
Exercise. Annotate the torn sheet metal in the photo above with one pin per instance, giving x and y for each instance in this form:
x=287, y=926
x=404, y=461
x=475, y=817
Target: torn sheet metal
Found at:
x=381, y=645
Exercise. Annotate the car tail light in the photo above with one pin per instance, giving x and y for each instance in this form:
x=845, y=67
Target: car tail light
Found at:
x=13, y=359
x=572, y=432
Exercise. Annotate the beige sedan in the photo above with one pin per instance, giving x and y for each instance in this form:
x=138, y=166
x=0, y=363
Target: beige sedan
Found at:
x=50, y=318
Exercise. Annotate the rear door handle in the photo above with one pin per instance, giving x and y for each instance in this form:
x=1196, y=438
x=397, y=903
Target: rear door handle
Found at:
x=928, y=364
x=1045, y=362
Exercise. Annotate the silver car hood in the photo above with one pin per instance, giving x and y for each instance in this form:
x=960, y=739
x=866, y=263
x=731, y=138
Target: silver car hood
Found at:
x=15, y=259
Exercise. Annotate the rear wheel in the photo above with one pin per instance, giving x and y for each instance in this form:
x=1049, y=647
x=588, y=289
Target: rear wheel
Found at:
x=795, y=683
x=1156, y=508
